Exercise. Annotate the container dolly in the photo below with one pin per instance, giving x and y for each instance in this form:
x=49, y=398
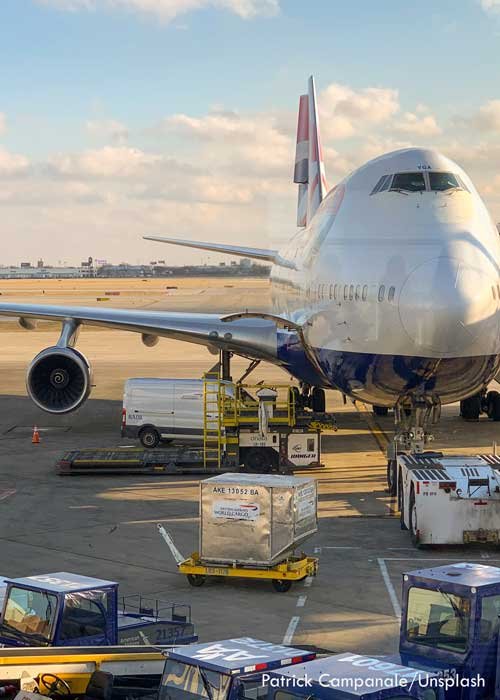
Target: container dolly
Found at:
x=282, y=575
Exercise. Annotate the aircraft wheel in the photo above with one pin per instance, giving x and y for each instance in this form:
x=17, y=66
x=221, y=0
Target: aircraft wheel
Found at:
x=493, y=405
x=470, y=408
x=280, y=585
x=318, y=400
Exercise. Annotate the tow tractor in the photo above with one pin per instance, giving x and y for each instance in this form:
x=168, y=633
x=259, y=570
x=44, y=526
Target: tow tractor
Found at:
x=448, y=648
x=258, y=428
x=65, y=609
x=231, y=669
x=449, y=499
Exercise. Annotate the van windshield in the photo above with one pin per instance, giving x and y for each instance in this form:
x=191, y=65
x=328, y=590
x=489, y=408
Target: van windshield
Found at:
x=438, y=619
x=183, y=681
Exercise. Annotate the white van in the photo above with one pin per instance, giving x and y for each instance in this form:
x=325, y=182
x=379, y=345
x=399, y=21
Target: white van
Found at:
x=163, y=409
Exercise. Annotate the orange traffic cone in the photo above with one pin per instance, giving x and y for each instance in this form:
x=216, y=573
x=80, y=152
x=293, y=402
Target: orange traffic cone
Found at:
x=36, y=436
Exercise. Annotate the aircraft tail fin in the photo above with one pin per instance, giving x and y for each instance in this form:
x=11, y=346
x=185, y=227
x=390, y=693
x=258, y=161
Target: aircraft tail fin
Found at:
x=309, y=171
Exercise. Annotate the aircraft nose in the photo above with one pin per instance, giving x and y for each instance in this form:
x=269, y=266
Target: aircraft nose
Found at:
x=446, y=306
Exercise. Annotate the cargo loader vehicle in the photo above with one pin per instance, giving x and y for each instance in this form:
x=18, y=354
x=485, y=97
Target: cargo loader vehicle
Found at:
x=250, y=527
x=448, y=647
x=65, y=609
x=449, y=499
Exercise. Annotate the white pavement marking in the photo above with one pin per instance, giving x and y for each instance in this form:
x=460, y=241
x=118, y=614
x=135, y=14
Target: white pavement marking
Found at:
x=6, y=494
x=341, y=547
x=301, y=601
x=287, y=639
x=317, y=550
x=390, y=588
x=308, y=581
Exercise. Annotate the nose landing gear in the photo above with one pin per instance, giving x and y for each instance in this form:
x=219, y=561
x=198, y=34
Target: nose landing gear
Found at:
x=414, y=416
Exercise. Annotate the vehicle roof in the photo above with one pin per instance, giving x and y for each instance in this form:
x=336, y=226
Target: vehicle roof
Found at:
x=462, y=574
x=361, y=676
x=164, y=380
x=61, y=582
x=237, y=656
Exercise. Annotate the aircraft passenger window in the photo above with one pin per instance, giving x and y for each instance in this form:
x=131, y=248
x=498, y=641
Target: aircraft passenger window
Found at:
x=331, y=291
x=346, y=292
x=409, y=182
x=358, y=292
x=494, y=292
x=335, y=290
x=381, y=292
x=498, y=290
x=351, y=292
x=392, y=291
x=443, y=181
x=365, y=292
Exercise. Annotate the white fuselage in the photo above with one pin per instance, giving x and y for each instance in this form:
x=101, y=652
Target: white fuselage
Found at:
x=408, y=280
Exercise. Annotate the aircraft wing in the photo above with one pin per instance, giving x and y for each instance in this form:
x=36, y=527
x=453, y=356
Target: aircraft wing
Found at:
x=251, y=337
x=262, y=254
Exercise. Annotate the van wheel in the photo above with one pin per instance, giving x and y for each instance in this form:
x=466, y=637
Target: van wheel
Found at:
x=150, y=438
x=259, y=461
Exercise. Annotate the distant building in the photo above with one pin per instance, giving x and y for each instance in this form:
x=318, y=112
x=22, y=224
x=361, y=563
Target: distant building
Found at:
x=25, y=264
x=39, y=263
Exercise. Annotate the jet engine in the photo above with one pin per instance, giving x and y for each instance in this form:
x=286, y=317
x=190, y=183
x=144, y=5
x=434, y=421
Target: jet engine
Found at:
x=59, y=380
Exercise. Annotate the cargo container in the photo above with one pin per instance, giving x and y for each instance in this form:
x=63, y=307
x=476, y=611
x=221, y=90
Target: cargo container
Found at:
x=255, y=520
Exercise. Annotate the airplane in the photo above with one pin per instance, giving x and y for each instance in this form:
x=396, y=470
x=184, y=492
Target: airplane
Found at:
x=389, y=292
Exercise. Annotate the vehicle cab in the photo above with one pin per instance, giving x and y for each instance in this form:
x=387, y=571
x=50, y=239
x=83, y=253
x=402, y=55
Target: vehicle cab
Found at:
x=60, y=609
x=64, y=609
x=228, y=670
x=352, y=676
x=450, y=620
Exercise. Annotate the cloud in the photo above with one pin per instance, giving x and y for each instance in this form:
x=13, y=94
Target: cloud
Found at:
x=12, y=163
x=109, y=129
x=488, y=116
x=418, y=124
x=490, y=5
x=167, y=10
x=344, y=111
x=108, y=162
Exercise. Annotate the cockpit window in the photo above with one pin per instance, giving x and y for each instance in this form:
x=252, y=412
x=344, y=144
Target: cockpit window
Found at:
x=409, y=182
x=440, y=182
x=382, y=184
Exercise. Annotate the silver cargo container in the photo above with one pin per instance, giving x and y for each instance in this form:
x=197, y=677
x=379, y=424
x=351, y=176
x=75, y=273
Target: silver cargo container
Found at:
x=255, y=520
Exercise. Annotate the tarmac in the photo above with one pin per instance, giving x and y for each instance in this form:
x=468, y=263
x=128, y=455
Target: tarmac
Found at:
x=105, y=526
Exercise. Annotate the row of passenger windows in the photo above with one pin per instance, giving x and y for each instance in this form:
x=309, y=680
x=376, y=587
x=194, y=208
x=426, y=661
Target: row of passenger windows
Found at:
x=348, y=292
x=496, y=291
x=419, y=182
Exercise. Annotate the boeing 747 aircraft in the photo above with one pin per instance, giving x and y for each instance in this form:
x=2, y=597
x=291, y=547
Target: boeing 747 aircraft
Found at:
x=389, y=292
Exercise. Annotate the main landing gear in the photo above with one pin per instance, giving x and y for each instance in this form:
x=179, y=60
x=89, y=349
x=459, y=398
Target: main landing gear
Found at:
x=486, y=402
x=414, y=416
x=313, y=398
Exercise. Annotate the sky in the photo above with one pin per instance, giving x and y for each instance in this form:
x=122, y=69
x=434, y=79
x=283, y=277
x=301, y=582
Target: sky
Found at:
x=124, y=118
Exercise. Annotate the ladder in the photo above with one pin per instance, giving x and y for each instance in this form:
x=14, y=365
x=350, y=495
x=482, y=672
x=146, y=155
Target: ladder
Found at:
x=212, y=420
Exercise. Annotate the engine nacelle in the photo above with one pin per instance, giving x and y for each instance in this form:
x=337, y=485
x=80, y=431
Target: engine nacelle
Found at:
x=59, y=380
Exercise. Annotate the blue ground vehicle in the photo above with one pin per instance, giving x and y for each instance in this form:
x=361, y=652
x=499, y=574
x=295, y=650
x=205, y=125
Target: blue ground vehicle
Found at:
x=64, y=609
x=228, y=670
x=448, y=650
